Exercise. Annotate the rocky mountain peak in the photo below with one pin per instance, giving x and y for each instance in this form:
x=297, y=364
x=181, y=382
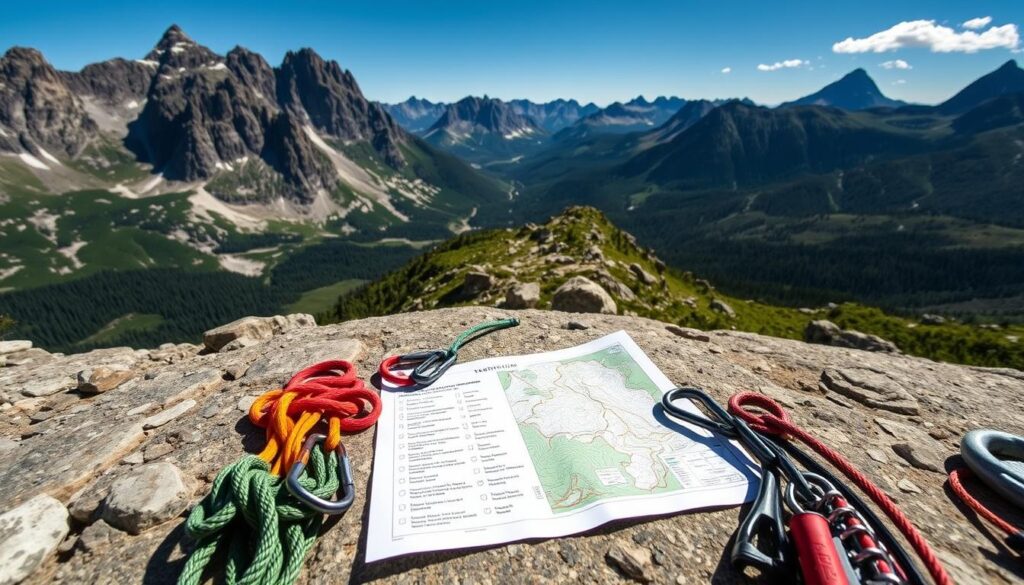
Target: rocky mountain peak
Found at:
x=854, y=91
x=1008, y=78
x=176, y=51
x=37, y=108
x=329, y=97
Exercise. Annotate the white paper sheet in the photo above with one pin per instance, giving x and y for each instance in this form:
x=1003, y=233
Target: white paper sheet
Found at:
x=536, y=446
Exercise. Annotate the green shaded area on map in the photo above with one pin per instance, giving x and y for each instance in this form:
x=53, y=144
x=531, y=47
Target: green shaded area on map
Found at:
x=583, y=437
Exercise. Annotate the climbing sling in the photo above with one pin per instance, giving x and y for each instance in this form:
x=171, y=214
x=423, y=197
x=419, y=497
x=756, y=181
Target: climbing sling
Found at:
x=429, y=365
x=263, y=522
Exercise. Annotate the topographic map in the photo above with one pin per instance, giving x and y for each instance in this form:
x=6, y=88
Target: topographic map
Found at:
x=589, y=425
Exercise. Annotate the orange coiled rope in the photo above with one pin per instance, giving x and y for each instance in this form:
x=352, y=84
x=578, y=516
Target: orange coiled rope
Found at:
x=329, y=390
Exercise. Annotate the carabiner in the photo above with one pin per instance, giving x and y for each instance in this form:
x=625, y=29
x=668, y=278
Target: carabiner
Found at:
x=347, y=489
x=761, y=541
x=433, y=367
x=408, y=360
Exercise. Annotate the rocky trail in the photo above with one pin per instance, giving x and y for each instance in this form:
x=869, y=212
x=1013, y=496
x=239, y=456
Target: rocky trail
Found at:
x=103, y=453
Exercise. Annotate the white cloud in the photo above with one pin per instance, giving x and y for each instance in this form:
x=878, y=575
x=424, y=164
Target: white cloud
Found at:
x=977, y=23
x=899, y=82
x=787, y=64
x=895, y=64
x=935, y=37
x=727, y=70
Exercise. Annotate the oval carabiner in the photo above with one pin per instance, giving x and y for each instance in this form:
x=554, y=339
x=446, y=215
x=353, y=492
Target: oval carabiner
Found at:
x=433, y=367
x=347, y=488
x=405, y=361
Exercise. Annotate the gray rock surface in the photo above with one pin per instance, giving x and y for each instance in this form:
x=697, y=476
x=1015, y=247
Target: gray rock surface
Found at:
x=29, y=534
x=14, y=345
x=76, y=454
x=102, y=378
x=582, y=295
x=720, y=306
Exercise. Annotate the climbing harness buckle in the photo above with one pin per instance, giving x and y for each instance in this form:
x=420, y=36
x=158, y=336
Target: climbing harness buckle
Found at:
x=347, y=488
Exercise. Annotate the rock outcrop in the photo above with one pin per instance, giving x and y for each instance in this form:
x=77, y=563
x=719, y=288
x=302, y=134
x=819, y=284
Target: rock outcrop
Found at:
x=39, y=114
x=184, y=412
x=828, y=333
x=579, y=294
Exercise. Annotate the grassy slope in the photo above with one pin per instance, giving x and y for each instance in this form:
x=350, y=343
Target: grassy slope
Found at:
x=434, y=279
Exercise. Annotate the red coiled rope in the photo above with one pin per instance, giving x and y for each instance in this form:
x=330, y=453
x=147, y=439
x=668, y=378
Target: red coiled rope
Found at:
x=775, y=421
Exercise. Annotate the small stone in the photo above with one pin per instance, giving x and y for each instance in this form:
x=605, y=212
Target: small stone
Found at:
x=715, y=349
x=29, y=534
x=871, y=388
x=96, y=535
x=688, y=333
x=920, y=456
x=723, y=307
x=908, y=486
x=154, y=452
x=141, y=409
x=245, y=403
x=67, y=545
x=632, y=560
x=235, y=371
x=102, y=378
x=642, y=275
x=133, y=458
x=576, y=326
x=48, y=387
x=186, y=436
x=165, y=416
x=568, y=554
x=146, y=496
x=878, y=455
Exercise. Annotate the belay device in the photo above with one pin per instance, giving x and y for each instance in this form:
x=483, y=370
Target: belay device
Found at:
x=834, y=536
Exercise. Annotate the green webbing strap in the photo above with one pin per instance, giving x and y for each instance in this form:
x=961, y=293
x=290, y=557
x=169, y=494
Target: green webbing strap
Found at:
x=251, y=515
x=479, y=331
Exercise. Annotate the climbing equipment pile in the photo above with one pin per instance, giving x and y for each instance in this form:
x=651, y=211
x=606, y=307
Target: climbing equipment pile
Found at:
x=834, y=535
x=266, y=523
x=997, y=459
x=429, y=365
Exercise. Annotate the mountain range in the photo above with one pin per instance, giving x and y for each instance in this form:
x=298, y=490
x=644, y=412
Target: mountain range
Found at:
x=185, y=164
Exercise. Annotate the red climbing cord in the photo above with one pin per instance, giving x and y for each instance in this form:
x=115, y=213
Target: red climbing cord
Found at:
x=775, y=421
x=958, y=488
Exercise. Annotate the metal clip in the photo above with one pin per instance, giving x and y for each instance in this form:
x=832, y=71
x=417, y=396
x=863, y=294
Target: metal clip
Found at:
x=416, y=359
x=433, y=367
x=347, y=489
x=761, y=541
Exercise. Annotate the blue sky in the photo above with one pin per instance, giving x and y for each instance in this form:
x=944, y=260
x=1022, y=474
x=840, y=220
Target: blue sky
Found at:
x=592, y=51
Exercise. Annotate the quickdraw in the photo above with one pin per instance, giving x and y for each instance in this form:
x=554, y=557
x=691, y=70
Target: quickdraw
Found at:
x=994, y=458
x=836, y=537
x=429, y=365
x=266, y=522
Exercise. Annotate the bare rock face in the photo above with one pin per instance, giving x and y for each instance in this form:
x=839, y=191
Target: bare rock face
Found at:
x=103, y=378
x=828, y=333
x=38, y=109
x=29, y=534
x=720, y=306
x=182, y=411
x=579, y=294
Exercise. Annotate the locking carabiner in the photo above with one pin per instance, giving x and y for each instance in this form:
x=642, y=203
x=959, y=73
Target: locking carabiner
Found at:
x=347, y=488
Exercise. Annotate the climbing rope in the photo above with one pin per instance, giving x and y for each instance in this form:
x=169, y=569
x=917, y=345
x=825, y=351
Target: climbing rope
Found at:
x=775, y=421
x=1015, y=536
x=264, y=524
x=429, y=365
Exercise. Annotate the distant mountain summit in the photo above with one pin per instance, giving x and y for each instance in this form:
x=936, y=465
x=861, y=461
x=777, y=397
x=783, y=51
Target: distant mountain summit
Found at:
x=855, y=91
x=474, y=115
x=416, y=115
x=1009, y=78
x=553, y=115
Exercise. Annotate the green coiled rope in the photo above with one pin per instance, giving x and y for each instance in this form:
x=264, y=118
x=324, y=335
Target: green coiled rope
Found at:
x=250, y=515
